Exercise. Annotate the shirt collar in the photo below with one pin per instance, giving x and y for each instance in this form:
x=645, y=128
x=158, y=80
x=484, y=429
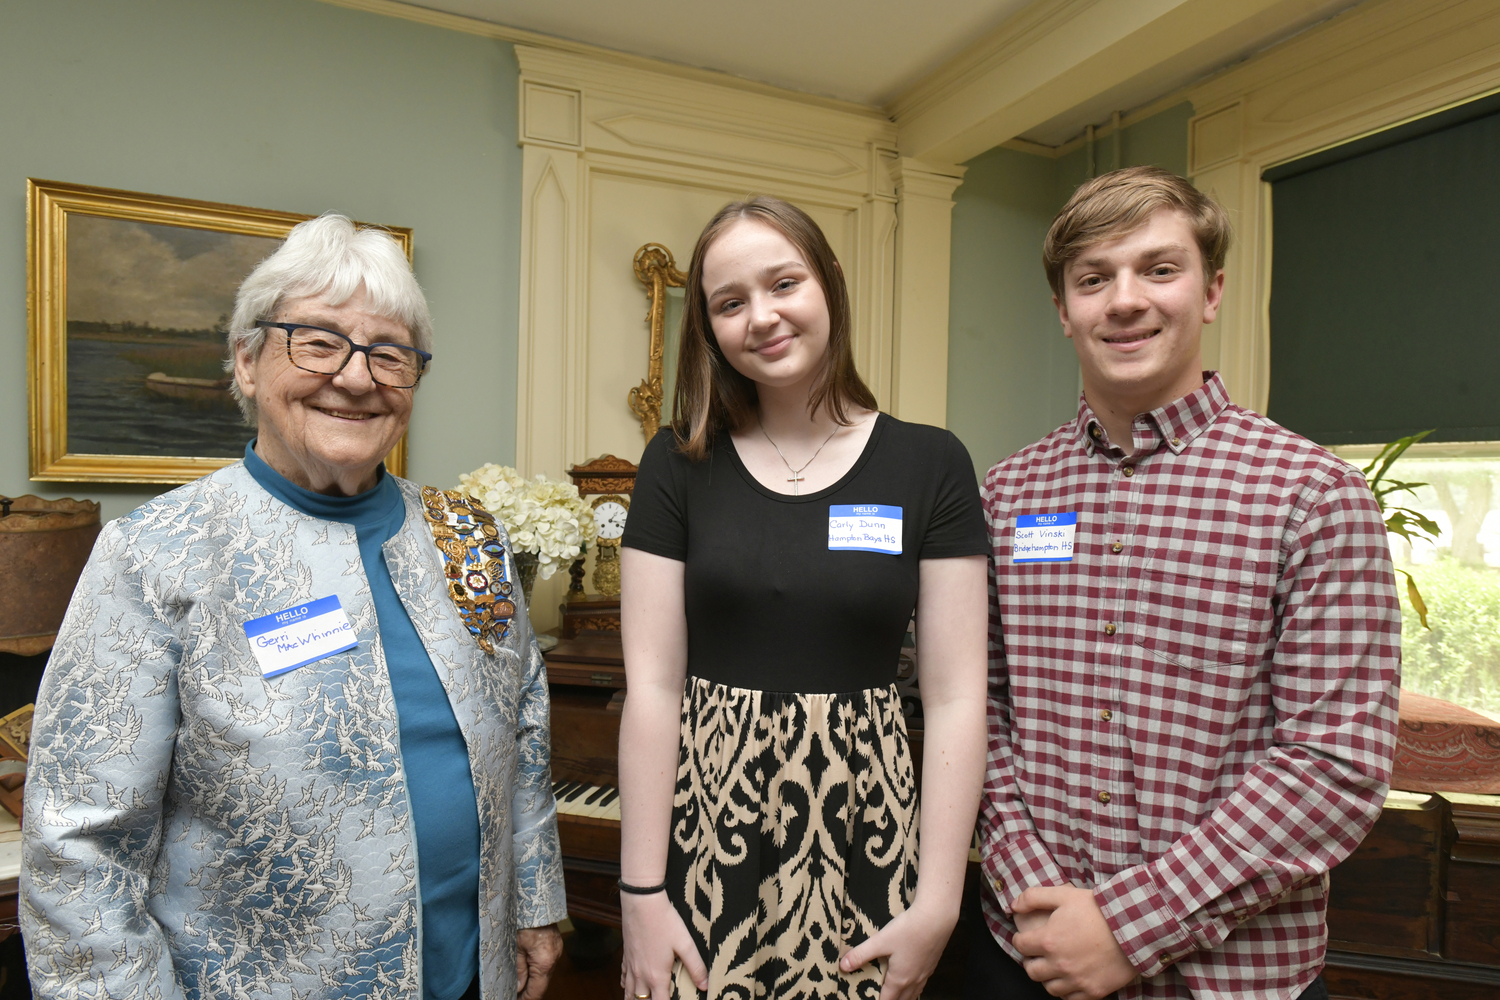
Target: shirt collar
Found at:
x=1178, y=422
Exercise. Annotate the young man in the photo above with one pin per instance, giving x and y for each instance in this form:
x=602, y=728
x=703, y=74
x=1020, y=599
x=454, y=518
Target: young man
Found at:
x=1195, y=647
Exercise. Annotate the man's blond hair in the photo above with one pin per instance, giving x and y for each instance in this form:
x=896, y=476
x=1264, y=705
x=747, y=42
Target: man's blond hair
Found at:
x=1118, y=203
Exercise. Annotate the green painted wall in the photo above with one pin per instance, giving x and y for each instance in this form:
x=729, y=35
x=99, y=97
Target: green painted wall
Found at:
x=1012, y=375
x=286, y=104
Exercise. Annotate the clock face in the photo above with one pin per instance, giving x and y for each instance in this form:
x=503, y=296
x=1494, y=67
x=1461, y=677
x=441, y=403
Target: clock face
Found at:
x=609, y=516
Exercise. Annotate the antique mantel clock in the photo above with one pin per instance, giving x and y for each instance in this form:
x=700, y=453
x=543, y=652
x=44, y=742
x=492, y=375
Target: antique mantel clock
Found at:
x=610, y=481
x=609, y=517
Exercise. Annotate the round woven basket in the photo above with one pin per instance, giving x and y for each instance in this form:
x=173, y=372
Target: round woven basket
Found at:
x=43, y=546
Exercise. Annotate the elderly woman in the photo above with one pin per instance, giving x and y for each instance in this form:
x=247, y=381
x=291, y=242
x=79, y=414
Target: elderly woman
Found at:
x=293, y=736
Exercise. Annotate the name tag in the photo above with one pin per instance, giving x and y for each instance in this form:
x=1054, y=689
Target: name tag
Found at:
x=1043, y=538
x=864, y=527
x=302, y=634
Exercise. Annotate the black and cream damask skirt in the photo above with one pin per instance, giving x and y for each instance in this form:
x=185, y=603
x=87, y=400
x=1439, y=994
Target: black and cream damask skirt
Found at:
x=794, y=837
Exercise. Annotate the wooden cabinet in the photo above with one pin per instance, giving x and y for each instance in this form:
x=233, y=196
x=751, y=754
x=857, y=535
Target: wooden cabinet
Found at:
x=1414, y=913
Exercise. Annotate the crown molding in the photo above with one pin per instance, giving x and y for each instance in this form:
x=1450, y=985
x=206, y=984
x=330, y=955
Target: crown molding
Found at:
x=989, y=52
x=1103, y=130
x=521, y=36
x=707, y=97
x=1049, y=58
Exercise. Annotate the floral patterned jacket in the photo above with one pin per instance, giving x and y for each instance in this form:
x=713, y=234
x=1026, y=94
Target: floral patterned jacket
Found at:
x=196, y=829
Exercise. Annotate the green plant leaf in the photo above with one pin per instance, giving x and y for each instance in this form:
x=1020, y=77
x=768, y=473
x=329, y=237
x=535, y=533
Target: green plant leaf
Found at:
x=1390, y=453
x=1415, y=597
x=1395, y=486
x=1403, y=521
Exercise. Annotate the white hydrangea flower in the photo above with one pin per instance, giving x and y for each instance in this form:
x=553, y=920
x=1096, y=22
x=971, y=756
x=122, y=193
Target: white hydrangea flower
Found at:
x=542, y=516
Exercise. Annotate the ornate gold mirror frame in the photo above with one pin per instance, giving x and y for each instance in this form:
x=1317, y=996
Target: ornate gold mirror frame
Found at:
x=657, y=270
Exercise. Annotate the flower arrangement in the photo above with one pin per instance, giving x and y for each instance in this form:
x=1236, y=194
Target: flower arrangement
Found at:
x=544, y=518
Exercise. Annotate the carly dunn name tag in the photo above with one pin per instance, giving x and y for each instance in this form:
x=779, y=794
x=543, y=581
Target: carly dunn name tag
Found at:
x=864, y=527
x=302, y=634
x=1043, y=538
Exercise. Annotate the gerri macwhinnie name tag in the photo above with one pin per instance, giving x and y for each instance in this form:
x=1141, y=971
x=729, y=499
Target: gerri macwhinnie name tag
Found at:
x=1043, y=538
x=864, y=527
x=302, y=634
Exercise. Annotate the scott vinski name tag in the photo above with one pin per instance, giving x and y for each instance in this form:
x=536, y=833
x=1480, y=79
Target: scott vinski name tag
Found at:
x=302, y=634
x=864, y=527
x=1043, y=538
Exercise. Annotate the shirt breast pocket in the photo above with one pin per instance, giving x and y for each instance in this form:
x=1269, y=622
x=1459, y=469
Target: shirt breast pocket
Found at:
x=1196, y=607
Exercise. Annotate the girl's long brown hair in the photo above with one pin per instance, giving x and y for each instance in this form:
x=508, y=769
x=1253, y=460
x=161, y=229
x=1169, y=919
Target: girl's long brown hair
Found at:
x=711, y=395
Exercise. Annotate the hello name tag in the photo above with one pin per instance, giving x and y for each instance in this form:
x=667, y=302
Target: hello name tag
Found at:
x=302, y=634
x=1043, y=538
x=864, y=527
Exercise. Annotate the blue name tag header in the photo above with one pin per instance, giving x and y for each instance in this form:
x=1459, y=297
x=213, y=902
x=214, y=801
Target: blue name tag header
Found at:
x=302, y=634
x=1044, y=538
x=864, y=527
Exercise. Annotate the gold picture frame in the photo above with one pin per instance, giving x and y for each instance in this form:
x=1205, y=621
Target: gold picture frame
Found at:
x=656, y=270
x=126, y=232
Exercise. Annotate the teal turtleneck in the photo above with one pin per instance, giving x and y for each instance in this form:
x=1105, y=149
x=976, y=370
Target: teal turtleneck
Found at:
x=445, y=811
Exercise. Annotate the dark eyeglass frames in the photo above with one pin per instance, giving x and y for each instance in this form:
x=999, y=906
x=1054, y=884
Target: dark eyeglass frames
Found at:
x=327, y=352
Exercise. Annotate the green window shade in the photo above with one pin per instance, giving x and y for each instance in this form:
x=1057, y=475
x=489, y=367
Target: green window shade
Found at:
x=1385, y=315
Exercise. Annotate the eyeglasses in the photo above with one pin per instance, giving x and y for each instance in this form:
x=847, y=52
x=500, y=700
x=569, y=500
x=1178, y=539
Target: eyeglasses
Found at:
x=327, y=352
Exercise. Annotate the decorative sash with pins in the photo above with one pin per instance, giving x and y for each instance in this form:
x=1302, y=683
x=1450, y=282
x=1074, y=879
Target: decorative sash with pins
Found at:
x=474, y=561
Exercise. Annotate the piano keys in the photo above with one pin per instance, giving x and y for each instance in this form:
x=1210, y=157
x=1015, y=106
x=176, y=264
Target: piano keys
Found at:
x=579, y=799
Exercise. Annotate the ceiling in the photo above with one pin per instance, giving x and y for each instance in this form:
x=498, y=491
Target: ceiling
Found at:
x=866, y=51
x=1250, y=36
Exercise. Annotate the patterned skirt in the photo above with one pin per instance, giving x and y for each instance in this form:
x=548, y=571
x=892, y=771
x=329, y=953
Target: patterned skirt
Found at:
x=794, y=837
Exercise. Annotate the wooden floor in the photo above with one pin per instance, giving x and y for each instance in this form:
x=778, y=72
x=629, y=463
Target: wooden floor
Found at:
x=590, y=966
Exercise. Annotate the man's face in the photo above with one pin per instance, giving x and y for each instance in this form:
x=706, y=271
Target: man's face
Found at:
x=1135, y=308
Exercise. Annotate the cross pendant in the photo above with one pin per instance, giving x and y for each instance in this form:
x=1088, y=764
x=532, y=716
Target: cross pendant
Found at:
x=796, y=478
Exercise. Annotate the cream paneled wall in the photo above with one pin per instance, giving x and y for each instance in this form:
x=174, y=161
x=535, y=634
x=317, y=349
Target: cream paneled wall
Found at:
x=617, y=155
x=621, y=207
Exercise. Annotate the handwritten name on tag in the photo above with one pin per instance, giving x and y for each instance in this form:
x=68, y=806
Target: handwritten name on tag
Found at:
x=1043, y=538
x=302, y=634
x=864, y=527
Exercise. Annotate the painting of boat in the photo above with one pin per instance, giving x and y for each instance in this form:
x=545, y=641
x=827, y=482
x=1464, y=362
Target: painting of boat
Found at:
x=199, y=391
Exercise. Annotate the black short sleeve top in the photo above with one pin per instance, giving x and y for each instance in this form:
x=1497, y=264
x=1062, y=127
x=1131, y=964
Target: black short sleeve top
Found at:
x=770, y=605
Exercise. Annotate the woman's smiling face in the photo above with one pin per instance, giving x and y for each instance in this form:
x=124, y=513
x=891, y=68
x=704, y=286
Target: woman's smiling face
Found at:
x=328, y=433
x=768, y=311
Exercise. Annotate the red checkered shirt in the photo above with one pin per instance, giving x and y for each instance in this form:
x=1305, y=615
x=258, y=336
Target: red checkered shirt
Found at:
x=1195, y=716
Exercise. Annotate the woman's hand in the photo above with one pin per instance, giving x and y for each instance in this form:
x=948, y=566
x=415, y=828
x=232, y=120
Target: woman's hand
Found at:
x=655, y=935
x=913, y=942
x=537, y=951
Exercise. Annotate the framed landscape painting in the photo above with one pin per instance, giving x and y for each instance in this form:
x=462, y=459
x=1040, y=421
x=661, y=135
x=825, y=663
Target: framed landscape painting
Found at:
x=129, y=297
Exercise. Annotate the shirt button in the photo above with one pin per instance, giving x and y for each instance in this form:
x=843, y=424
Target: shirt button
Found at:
x=1129, y=471
x=1104, y=797
x=1176, y=442
x=1106, y=715
x=1117, y=548
x=1095, y=431
x=999, y=884
x=1109, y=629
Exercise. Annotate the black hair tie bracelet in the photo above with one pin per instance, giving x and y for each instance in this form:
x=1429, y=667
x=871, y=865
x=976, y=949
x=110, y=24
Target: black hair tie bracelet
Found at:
x=640, y=890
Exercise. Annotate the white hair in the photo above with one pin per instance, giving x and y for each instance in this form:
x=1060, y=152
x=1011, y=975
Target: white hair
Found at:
x=328, y=257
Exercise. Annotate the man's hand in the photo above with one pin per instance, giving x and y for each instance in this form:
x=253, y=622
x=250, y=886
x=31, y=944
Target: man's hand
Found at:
x=1074, y=954
x=1032, y=921
x=537, y=951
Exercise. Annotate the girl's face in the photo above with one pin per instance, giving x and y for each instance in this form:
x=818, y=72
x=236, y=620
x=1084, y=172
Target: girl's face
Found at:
x=768, y=312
